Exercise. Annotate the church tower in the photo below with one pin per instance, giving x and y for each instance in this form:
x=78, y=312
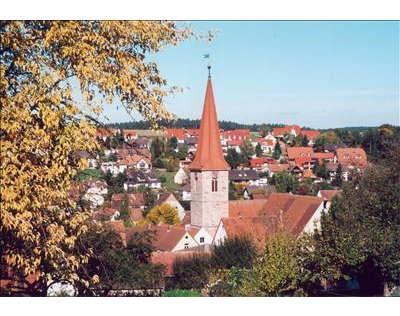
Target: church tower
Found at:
x=209, y=171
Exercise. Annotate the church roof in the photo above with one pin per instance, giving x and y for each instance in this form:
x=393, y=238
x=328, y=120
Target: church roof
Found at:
x=209, y=151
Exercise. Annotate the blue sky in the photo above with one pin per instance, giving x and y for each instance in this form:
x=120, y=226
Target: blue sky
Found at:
x=317, y=74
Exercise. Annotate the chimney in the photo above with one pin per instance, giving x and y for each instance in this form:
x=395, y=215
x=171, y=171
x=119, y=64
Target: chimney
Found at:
x=169, y=228
x=188, y=227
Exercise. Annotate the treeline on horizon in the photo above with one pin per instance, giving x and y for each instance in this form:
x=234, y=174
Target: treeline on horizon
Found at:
x=226, y=125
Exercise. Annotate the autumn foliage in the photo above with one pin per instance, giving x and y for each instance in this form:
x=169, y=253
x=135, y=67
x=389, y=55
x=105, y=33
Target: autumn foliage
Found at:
x=56, y=76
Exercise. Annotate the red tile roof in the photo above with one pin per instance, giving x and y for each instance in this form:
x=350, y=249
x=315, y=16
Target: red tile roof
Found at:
x=294, y=152
x=209, y=151
x=166, y=237
x=353, y=156
x=136, y=214
x=323, y=156
x=296, y=210
x=302, y=160
x=287, y=128
x=277, y=167
x=266, y=142
x=129, y=133
x=246, y=208
x=311, y=135
x=254, y=227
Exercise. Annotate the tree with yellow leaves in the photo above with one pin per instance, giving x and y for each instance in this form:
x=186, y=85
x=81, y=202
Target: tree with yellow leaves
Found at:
x=45, y=67
x=163, y=214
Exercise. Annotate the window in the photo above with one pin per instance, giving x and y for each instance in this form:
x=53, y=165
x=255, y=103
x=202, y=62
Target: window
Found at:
x=186, y=246
x=214, y=185
x=201, y=240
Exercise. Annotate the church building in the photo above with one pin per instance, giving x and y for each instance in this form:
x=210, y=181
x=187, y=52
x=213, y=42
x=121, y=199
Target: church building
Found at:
x=209, y=171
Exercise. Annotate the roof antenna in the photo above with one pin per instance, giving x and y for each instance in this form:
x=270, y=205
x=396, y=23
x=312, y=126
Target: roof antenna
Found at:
x=207, y=56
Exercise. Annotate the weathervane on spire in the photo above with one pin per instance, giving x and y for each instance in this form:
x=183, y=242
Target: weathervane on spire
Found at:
x=207, y=56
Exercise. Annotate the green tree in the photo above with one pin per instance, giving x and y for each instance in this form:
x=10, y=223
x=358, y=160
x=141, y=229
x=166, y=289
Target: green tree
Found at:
x=232, y=158
x=156, y=149
x=172, y=142
x=117, y=266
x=276, y=270
x=320, y=170
x=284, y=182
x=304, y=141
x=238, y=252
x=337, y=180
x=182, y=153
x=263, y=130
x=191, y=273
x=124, y=211
x=246, y=151
x=277, y=151
x=360, y=236
x=259, y=151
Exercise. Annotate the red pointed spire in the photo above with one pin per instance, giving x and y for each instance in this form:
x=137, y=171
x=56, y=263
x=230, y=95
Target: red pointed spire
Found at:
x=209, y=151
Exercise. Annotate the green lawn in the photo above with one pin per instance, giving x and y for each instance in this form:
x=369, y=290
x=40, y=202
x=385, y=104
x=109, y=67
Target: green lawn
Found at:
x=169, y=184
x=95, y=174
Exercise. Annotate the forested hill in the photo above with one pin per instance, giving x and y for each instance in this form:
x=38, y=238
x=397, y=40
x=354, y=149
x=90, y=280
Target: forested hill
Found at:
x=188, y=123
x=226, y=125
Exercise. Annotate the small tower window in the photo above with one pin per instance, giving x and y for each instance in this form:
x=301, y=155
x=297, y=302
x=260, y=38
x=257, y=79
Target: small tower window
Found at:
x=214, y=185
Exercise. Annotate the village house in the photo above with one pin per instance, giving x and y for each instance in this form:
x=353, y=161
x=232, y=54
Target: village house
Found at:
x=297, y=214
x=296, y=152
x=110, y=166
x=136, y=179
x=168, y=238
x=105, y=214
x=136, y=162
x=234, y=144
x=129, y=134
x=351, y=156
x=135, y=200
x=259, y=164
x=280, y=132
x=263, y=191
x=170, y=199
x=103, y=133
x=267, y=143
x=185, y=192
x=182, y=175
x=311, y=135
x=248, y=177
x=273, y=168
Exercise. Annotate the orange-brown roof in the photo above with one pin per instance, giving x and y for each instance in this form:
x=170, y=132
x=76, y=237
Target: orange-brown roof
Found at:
x=254, y=227
x=323, y=156
x=209, y=151
x=294, y=152
x=246, y=208
x=136, y=214
x=353, y=156
x=277, y=167
x=135, y=200
x=311, y=135
x=296, y=210
x=166, y=237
